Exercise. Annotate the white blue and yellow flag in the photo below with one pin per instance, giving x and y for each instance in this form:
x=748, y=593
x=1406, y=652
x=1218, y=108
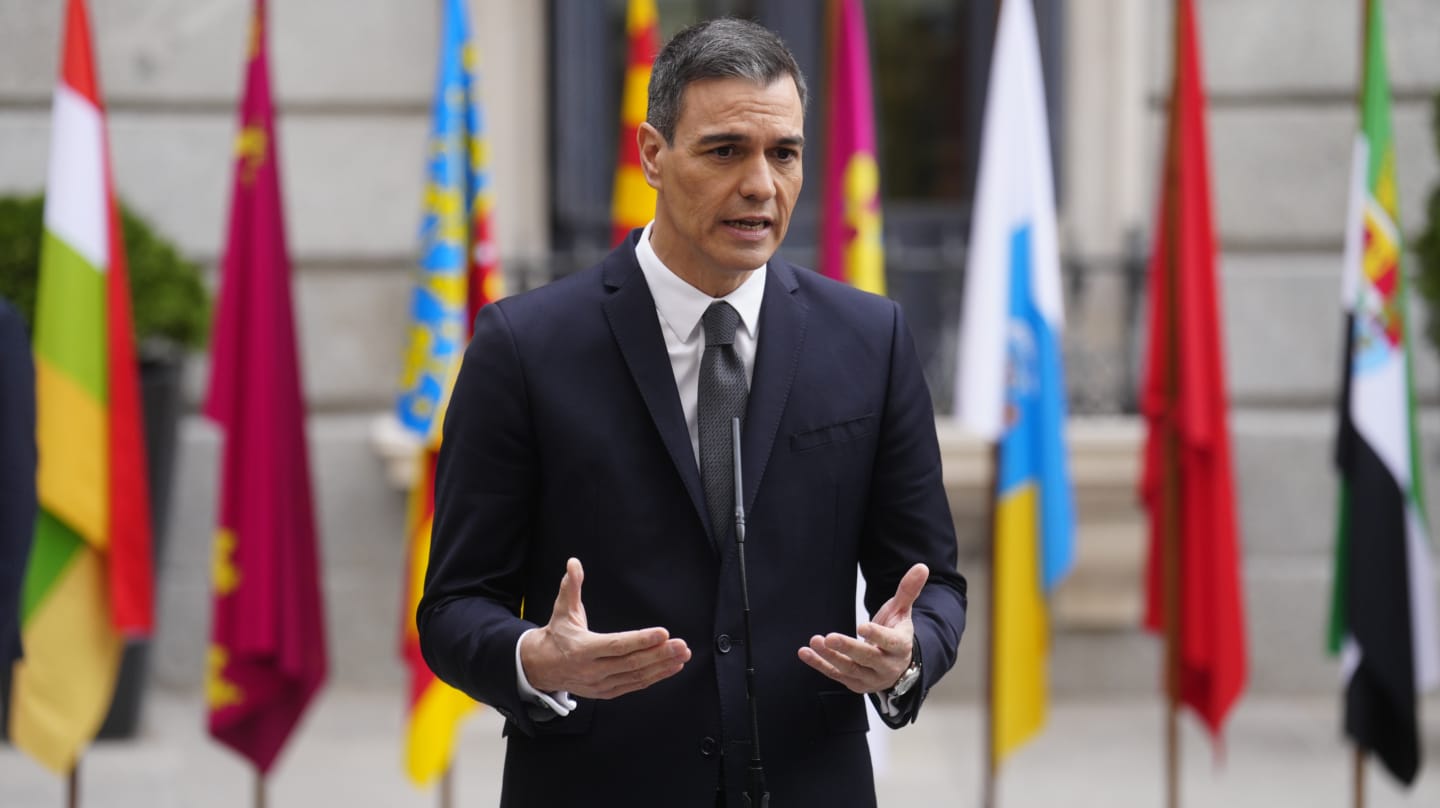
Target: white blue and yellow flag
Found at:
x=1009, y=383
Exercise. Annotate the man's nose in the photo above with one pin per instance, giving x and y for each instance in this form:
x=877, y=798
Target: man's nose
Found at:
x=758, y=181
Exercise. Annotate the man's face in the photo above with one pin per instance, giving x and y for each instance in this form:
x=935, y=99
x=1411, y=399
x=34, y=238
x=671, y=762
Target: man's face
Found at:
x=726, y=187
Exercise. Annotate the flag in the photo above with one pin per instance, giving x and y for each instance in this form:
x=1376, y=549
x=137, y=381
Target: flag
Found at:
x=1010, y=384
x=1184, y=404
x=1383, y=607
x=633, y=201
x=459, y=273
x=851, y=249
x=89, y=582
x=267, y=654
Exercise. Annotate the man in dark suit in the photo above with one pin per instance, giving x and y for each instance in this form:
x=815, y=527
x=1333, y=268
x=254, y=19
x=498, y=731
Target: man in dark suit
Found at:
x=17, y=476
x=590, y=423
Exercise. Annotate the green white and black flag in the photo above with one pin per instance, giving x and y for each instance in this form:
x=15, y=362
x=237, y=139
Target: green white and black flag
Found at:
x=1383, y=620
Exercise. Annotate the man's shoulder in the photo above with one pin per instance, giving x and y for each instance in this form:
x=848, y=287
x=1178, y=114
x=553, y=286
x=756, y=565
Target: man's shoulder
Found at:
x=828, y=296
x=571, y=295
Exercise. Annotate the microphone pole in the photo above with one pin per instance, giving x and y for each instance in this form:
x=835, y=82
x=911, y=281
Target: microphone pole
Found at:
x=755, y=794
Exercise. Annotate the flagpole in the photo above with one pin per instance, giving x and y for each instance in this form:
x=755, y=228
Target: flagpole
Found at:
x=992, y=762
x=1359, y=753
x=447, y=786
x=1170, y=538
x=1359, y=776
x=72, y=786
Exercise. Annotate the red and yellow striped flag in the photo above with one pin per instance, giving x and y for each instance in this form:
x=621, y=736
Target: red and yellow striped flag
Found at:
x=633, y=204
x=436, y=709
x=89, y=579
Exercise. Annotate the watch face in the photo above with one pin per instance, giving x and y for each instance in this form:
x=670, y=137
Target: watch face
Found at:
x=907, y=680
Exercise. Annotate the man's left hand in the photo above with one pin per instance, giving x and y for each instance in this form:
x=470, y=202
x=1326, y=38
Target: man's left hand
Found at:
x=875, y=660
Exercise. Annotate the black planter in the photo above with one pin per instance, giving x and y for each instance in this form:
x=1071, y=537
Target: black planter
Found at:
x=160, y=400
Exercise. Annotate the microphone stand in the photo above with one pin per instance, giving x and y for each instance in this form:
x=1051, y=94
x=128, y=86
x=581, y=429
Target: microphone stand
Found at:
x=755, y=794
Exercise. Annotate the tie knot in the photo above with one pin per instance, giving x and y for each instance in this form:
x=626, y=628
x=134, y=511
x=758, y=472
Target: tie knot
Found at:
x=720, y=321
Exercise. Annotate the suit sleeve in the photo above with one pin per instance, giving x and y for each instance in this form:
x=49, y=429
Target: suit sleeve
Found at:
x=18, y=502
x=485, y=492
x=908, y=521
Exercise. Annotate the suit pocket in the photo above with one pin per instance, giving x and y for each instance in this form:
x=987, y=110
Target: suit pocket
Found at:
x=834, y=433
x=844, y=712
x=576, y=723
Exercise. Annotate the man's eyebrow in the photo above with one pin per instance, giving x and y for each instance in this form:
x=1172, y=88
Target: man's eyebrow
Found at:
x=722, y=137
x=792, y=141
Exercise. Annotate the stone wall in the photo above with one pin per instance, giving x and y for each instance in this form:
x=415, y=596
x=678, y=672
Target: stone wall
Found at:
x=353, y=81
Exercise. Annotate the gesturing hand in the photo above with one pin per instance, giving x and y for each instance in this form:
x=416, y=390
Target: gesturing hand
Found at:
x=566, y=655
x=875, y=661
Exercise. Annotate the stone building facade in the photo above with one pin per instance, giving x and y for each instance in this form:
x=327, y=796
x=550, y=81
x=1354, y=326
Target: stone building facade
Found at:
x=353, y=81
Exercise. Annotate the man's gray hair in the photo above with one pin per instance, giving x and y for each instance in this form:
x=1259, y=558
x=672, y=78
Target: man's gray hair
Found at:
x=726, y=48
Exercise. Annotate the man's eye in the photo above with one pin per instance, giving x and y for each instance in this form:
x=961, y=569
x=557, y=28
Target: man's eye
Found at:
x=786, y=155
x=724, y=151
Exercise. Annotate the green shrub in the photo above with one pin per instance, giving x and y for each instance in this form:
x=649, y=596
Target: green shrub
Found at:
x=171, y=306
x=1427, y=248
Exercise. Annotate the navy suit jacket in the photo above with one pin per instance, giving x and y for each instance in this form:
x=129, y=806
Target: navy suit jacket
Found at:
x=17, y=475
x=565, y=437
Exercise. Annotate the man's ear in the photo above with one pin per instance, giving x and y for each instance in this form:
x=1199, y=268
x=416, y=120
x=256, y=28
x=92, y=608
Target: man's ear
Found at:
x=650, y=143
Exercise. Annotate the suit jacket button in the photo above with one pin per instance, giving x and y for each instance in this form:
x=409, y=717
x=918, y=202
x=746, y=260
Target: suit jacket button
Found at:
x=722, y=643
x=708, y=747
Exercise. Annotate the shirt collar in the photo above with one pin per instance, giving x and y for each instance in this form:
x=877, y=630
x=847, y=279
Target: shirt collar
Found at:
x=681, y=305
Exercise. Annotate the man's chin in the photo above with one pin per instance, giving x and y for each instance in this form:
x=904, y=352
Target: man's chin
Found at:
x=749, y=256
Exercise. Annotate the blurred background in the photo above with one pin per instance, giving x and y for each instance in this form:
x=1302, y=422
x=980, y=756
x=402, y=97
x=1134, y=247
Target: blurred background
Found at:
x=354, y=81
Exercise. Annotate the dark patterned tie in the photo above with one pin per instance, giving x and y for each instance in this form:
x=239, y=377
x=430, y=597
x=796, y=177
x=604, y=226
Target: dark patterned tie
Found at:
x=723, y=391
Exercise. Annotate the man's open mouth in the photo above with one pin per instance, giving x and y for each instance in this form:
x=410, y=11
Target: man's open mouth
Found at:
x=748, y=224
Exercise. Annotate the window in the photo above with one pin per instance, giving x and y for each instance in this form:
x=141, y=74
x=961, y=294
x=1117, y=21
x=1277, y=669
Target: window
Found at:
x=930, y=60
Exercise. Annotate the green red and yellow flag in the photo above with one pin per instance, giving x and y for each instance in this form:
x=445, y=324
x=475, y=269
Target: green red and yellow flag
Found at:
x=89, y=582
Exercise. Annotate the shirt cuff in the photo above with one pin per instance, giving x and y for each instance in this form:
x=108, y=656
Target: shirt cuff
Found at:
x=886, y=703
x=541, y=706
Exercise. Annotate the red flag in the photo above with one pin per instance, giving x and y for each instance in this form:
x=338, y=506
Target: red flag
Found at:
x=1184, y=401
x=267, y=653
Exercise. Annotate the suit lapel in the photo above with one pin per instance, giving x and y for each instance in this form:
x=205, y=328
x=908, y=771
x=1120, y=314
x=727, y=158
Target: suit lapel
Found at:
x=782, y=336
x=631, y=312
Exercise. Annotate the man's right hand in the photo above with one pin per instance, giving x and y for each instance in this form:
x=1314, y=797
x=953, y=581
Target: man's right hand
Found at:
x=566, y=655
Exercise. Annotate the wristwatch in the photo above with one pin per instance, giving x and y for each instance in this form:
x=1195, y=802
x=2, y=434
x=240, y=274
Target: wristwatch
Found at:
x=911, y=675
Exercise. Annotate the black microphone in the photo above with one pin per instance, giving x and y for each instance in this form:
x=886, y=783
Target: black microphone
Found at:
x=755, y=794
